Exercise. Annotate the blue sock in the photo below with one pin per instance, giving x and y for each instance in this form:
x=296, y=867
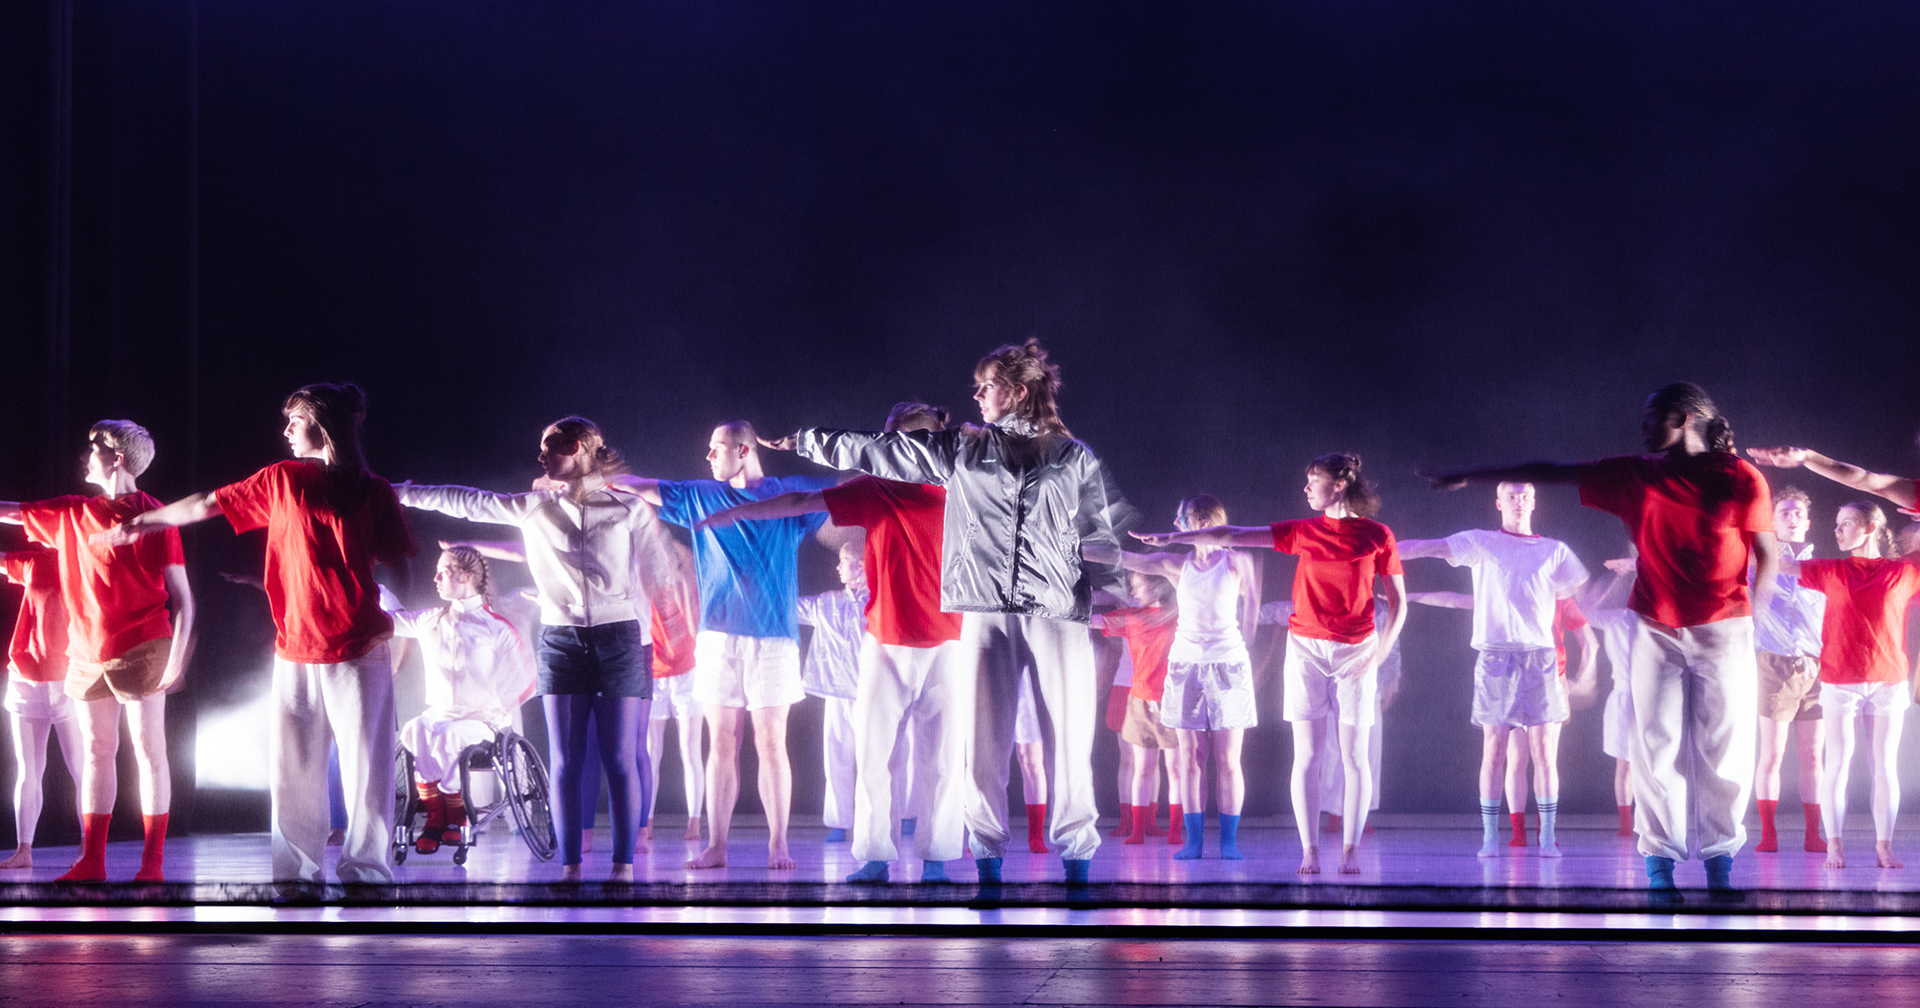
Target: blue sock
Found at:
x=1720, y=872
x=1079, y=871
x=906, y=827
x=933, y=871
x=1196, y=822
x=1230, y=838
x=989, y=869
x=836, y=835
x=1660, y=872
x=872, y=871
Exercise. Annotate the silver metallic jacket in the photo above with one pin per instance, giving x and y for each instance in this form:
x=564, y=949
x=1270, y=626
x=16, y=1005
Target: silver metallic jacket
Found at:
x=1019, y=510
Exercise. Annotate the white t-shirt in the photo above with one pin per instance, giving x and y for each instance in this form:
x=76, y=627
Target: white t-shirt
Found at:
x=1208, y=631
x=1516, y=581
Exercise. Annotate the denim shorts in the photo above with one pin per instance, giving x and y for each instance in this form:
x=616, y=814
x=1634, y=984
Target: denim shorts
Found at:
x=604, y=660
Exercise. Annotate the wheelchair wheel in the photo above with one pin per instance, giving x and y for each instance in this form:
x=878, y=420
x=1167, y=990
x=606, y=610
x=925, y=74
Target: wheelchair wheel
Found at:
x=406, y=803
x=524, y=779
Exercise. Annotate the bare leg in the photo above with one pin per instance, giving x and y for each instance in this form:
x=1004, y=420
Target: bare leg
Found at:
x=1308, y=737
x=1884, y=734
x=1493, y=770
x=723, y=782
x=1833, y=786
x=1033, y=770
x=1123, y=780
x=1809, y=743
x=693, y=774
x=1359, y=796
x=1192, y=772
x=1230, y=788
x=99, y=772
x=30, y=756
x=1146, y=779
x=1518, y=764
x=147, y=727
x=776, y=781
x=1773, y=752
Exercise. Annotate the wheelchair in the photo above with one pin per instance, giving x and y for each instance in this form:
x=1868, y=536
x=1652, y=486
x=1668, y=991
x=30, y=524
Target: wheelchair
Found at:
x=521, y=789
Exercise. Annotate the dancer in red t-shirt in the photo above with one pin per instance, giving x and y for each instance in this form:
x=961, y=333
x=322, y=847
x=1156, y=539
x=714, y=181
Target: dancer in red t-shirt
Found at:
x=37, y=701
x=129, y=625
x=1697, y=514
x=1863, y=667
x=328, y=519
x=1148, y=629
x=1333, y=649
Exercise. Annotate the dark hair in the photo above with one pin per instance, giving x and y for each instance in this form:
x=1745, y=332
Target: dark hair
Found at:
x=1691, y=399
x=917, y=416
x=1889, y=547
x=587, y=434
x=1361, y=498
x=1026, y=365
x=340, y=411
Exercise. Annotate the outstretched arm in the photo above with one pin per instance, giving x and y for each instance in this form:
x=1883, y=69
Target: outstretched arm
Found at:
x=1897, y=489
x=1167, y=565
x=508, y=550
x=1537, y=472
x=1218, y=535
x=1442, y=599
x=10, y=512
x=185, y=511
x=647, y=489
x=786, y=505
x=1418, y=549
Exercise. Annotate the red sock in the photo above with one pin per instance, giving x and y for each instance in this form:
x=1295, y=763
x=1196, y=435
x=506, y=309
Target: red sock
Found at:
x=92, y=866
x=1176, y=825
x=1153, y=820
x=1769, y=839
x=1813, y=842
x=153, y=850
x=456, y=816
x=1626, y=820
x=436, y=805
x=1141, y=814
x=1519, y=821
x=1126, y=822
x=1037, y=827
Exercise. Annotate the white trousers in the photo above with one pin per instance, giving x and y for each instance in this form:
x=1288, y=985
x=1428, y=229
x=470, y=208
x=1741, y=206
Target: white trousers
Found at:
x=836, y=753
x=996, y=649
x=910, y=732
x=436, y=742
x=1696, y=695
x=351, y=701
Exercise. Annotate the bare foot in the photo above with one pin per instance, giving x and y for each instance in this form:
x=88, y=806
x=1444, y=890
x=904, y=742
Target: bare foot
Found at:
x=1350, y=860
x=22, y=858
x=1883, y=852
x=569, y=873
x=621, y=873
x=778, y=859
x=586, y=841
x=643, y=844
x=693, y=828
x=1836, y=853
x=1309, y=862
x=713, y=857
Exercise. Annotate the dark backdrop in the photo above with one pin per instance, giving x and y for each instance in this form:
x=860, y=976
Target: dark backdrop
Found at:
x=1250, y=233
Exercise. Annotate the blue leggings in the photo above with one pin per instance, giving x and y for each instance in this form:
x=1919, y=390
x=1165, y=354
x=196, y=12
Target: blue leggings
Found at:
x=617, y=722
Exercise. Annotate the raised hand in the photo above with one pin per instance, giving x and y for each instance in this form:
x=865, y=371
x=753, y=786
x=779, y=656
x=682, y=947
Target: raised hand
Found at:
x=1441, y=481
x=780, y=444
x=1780, y=458
x=1155, y=538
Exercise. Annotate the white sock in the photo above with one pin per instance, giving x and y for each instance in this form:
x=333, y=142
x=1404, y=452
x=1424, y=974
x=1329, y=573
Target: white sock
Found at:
x=1490, y=823
x=1549, y=807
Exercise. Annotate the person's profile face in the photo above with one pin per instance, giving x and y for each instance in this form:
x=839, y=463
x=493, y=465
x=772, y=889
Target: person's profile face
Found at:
x=561, y=457
x=725, y=455
x=998, y=399
x=102, y=461
x=452, y=583
x=1850, y=529
x=303, y=434
x=1323, y=491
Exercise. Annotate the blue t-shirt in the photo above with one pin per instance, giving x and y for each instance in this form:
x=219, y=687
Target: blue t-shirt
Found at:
x=750, y=570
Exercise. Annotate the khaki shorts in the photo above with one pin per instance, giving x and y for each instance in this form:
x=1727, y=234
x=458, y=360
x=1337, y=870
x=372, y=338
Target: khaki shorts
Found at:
x=132, y=676
x=1789, y=687
x=1143, y=727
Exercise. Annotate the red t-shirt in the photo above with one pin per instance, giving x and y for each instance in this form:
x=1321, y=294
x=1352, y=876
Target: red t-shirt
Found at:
x=323, y=535
x=672, y=652
x=903, y=522
x=1567, y=618
x=1863, y=637
x=1333, y=584
x=1149, y=635
x=39, y=648
x=116, y=597
x=1690, y=517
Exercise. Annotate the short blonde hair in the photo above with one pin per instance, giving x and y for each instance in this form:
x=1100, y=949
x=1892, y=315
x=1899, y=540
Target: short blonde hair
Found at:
x=130, y=439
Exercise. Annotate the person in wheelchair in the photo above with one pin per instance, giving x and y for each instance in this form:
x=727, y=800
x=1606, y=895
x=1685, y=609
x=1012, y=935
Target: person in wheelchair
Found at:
x=478, y=672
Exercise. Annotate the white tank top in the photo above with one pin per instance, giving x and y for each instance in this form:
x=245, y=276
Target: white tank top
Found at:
x=1209, y=628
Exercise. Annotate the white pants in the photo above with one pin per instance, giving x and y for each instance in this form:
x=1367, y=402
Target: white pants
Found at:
x=351, y=701
x=836, y=753
x=996, y=649
x=910, y=729
x=436, y=742
x=1696, y=696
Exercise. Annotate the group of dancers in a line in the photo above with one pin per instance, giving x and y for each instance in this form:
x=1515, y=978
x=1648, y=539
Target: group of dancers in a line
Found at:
x=983, y=547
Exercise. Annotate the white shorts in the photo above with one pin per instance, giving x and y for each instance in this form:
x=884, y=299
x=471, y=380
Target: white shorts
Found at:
x=673, y=697
x=730, y=670
x=38, y=701
x=1208, y=696
x=1323, y=676
x=1880, y=698
x=1518, y=688
x=1026, y=718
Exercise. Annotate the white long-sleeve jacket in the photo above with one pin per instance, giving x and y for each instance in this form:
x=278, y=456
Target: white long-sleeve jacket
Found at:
x=477, y=665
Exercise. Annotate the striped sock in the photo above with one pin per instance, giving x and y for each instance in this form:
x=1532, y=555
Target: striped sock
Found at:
x=1490, y=825
x=1549, y=815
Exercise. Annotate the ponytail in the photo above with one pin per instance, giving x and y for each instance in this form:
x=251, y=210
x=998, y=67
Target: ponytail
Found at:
x=1361, y=498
